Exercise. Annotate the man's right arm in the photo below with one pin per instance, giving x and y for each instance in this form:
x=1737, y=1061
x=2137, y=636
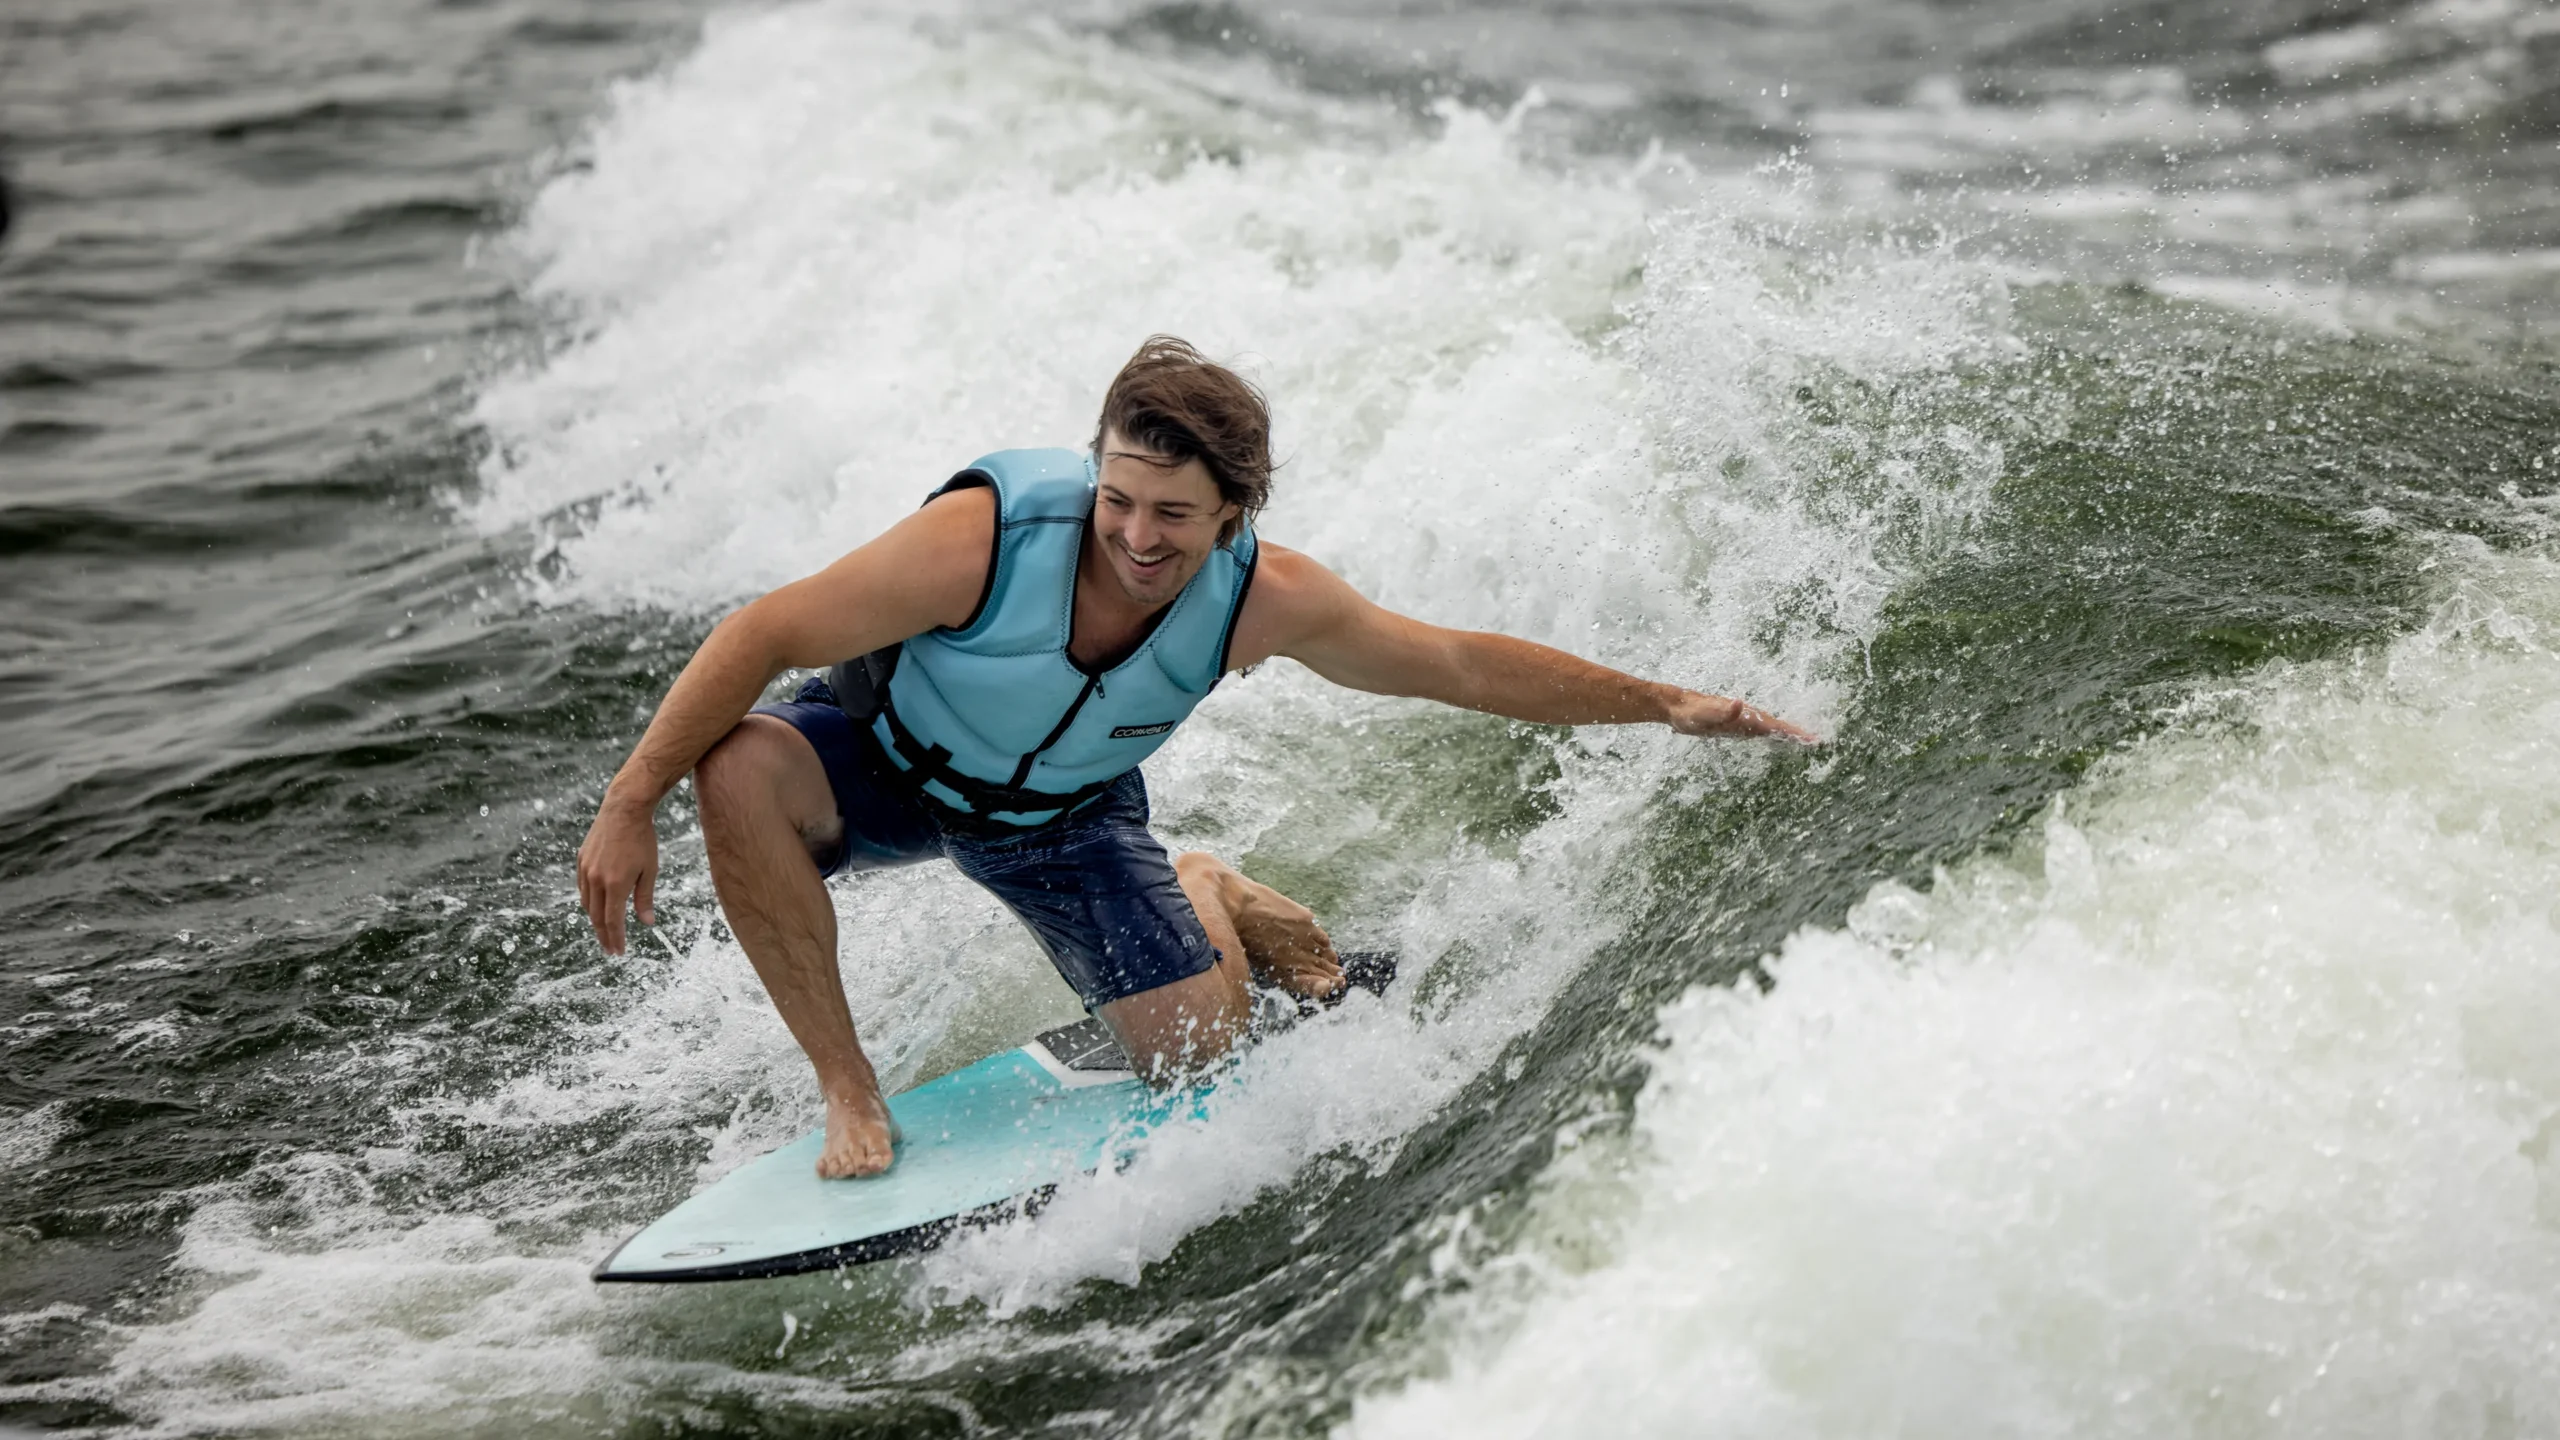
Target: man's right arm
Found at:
x=925, y=571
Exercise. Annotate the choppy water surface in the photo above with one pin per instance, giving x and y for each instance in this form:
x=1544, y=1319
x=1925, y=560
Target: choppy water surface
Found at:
x=2131, y=431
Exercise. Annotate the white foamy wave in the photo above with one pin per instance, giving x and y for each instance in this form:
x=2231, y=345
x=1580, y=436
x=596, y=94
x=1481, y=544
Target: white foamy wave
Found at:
x=2230, y=1113
x=895, y=252
x=359, y=1313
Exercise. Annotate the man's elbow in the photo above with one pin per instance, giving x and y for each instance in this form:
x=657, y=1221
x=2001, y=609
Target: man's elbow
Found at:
x=738, y=627
x=750, y=637
x=1450, y=686
x=1459, y=673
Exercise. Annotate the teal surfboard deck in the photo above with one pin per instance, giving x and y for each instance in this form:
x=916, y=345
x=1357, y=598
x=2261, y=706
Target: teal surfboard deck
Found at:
x=977, y=1144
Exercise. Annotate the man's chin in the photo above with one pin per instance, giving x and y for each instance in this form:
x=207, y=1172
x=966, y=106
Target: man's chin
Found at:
x=1153, y=590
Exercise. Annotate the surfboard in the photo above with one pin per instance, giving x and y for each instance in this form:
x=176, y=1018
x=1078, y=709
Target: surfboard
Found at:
x=979, y=1144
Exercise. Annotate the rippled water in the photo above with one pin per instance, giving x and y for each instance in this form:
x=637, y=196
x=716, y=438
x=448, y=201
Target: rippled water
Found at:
x=2131, y=432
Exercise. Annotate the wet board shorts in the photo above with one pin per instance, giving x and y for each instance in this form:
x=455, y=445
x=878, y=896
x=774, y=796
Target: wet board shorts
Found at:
x=1095, y=888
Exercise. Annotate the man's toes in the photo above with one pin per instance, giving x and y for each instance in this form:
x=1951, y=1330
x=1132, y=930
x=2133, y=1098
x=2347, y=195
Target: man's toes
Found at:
x=1315, y=977
x=852, y=1162
x=852, y=1151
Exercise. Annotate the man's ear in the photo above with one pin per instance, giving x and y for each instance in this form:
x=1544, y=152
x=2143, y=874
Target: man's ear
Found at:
x=1230, y=522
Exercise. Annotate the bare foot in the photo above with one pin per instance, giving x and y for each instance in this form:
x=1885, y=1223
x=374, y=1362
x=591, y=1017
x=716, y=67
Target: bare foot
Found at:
x=1282, y=941
x=860, y=1137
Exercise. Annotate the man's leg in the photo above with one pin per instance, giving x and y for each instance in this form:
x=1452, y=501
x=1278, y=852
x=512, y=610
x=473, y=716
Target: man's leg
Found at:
x=1180, y=1028
x=768, y=821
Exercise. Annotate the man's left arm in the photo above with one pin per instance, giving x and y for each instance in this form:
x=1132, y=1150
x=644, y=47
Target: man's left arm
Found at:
x=1302, y=610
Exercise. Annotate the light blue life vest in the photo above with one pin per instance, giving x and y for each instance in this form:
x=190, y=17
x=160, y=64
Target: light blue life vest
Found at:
x=994, y=721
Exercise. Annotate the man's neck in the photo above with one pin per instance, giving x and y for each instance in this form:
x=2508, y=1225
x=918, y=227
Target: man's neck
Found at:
x=1107, y=626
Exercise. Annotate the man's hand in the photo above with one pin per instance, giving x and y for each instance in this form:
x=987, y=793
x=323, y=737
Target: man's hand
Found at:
x=618, y=866
x=1696, y=714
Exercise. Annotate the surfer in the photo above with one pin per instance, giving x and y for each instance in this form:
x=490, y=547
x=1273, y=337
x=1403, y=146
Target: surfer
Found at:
x=1023, y=640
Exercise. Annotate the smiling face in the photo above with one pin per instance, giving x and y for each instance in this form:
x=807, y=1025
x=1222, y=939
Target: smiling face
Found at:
x=1154, y=523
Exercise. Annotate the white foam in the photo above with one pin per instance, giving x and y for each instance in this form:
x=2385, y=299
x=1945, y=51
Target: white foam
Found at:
x=2229, y=1112
x=2474, y=265
x=28, y=1136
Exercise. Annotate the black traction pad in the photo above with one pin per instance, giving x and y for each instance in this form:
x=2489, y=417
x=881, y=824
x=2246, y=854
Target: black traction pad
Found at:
x=1086, y=1045
x=1371, y=970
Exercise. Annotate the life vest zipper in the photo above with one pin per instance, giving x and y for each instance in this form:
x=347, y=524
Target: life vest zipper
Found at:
x=1022, y=772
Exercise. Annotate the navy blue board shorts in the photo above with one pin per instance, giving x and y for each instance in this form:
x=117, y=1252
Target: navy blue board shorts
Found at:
x=1095, y=888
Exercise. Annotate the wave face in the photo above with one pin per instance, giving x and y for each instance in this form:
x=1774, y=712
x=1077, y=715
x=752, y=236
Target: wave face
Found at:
x=2216, y=1105
x=2130, y=1023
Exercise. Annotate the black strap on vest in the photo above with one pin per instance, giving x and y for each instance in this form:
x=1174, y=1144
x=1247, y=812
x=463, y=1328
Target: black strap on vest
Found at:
x=985, y=798
x=861, y=684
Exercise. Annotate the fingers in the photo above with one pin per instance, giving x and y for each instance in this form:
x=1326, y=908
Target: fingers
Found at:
x=618, y=870
x=591, y=896
x=1748, y=720
x=597, y=897
x=608, y=916
x=1732, y=717
x=1773, y=726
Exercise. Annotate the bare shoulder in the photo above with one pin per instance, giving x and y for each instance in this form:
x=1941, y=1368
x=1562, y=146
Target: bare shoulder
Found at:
x=1292, y=596
x=937, y=557
x=927, y=570
x=954, y=518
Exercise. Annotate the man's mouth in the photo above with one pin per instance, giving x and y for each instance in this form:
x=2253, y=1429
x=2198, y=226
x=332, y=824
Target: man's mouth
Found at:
x=1145, y=564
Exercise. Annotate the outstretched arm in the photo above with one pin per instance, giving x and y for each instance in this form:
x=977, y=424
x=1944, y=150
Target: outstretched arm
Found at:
x=1300, y=609
x=924, y=571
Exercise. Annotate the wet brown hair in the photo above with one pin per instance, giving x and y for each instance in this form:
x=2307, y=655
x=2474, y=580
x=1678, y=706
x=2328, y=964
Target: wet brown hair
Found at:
x=1174, y=401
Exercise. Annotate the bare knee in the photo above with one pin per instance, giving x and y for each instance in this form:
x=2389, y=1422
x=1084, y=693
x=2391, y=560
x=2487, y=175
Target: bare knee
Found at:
x=731, y=777
x=1198, y=868
x=1207, y=882
x=762, y=773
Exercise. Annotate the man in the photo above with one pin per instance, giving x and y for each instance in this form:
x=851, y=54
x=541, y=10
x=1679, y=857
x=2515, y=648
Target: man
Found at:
x=1025, y=639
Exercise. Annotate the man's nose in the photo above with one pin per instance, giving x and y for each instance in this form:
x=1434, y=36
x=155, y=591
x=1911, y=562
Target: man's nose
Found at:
x=1142, y=533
